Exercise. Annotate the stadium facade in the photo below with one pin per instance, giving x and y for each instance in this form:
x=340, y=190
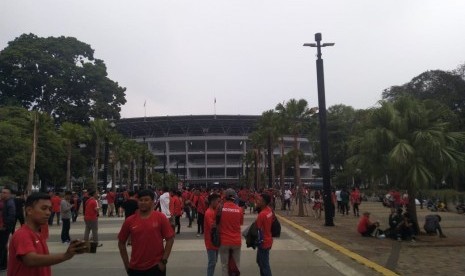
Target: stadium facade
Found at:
x=204, y=149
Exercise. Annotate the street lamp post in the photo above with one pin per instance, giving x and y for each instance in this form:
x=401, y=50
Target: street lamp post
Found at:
x=323, y=130
x=142, y=173
x=270, y=169
x=164, y=167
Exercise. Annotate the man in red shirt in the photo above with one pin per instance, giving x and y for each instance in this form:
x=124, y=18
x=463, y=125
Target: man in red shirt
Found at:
x=264, y=220
x=176, y=209
x=365, y=227
x=232, y=217
x=28, y=251
x=201, y=207
x=209, y=221
x=91, y=217
x=111, y=196
x=147, y=229
x=56, y=202
x=355, y=199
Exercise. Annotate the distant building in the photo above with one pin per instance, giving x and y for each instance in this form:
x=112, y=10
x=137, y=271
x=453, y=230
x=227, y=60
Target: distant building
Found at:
x=204, y=149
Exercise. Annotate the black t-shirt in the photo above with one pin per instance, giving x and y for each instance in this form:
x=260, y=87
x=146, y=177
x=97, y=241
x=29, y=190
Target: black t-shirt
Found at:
x=130, y=206
x=19, y=204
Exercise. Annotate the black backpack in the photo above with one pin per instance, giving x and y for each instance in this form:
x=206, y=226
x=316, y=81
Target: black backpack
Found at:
x=275, y=227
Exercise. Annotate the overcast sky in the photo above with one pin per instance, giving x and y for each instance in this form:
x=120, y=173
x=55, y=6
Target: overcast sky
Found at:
x=179, y=55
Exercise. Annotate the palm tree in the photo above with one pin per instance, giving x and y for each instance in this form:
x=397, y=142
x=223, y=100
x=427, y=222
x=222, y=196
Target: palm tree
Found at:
x=71, y=134
x=269, y=128
x=297, y=115
x=257, y=141
x=100, y=129
x=409, y=141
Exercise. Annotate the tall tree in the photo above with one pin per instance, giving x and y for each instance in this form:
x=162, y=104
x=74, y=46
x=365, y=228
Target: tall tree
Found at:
x=298, y=116
x=15, y=144
x=445, y=87
x=100, y=130
x=58, y=76
x=410, y=142
x=270, y=129
x=71, y=134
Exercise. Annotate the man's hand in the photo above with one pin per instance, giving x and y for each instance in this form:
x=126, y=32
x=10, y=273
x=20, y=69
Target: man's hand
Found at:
x=75, y=247
x=161, y=266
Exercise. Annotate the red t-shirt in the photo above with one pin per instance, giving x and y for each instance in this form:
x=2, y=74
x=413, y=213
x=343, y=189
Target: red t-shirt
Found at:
x=355, y=197
x=232, y=218
x=264, y=221
x=209, y=221
x=363, y=224
x=186, y=196
x=195, y=201
x=56, y=204
x=23, y=242
x=111, y=197
x=91, y=209
x=147, y=236
x=201, y=205
x=243, y=195
x=177, y=206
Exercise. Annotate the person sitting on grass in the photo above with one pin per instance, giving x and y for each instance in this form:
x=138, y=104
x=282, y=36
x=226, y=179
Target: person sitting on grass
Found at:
x=432, y=226
x=367, y=228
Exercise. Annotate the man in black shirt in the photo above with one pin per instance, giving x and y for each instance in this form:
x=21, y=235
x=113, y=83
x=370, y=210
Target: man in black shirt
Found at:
x=130, y=206
x=19, y=204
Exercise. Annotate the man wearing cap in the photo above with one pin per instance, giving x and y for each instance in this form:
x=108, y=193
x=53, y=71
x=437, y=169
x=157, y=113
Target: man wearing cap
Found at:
x=264, y=221
x=232, y=217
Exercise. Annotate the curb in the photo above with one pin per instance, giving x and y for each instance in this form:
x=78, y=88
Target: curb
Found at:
x=360, y=259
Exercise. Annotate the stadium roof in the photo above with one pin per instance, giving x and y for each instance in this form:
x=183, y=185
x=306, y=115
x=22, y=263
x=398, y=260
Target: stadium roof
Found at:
x=191, y=125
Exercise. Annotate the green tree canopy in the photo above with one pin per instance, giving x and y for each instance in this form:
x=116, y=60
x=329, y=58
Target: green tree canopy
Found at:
x=58, y=76
x=411, y=143
x=445, y=87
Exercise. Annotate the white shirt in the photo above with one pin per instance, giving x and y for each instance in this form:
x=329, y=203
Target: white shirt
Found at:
x=287, y=194
x=103, y=198
x=338, y=195
x=165, y=204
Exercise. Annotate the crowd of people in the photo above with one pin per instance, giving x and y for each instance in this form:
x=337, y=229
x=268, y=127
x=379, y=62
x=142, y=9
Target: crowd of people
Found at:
x=160, y=211
x=152, y=219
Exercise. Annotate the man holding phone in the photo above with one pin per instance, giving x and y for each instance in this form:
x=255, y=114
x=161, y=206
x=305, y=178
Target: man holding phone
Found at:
x=147, y=229
x=28, y=250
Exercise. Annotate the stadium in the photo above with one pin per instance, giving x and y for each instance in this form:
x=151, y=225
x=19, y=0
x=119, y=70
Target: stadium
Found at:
x=205, y=149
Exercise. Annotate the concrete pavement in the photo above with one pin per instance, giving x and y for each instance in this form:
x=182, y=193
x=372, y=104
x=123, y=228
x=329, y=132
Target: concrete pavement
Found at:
x=291, y=254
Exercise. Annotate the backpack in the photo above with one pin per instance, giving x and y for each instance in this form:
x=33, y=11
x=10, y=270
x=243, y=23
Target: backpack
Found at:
x=251, y=235
x=275, y=227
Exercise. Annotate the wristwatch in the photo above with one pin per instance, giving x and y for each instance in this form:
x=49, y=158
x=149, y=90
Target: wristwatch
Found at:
x=164, y=261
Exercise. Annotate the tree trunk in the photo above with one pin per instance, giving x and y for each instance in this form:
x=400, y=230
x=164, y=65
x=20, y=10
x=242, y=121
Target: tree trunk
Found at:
x=32, y=163
x=113, y=175
x=283, y=169
x=297, y=178
x=412, y=207
x=96, y=163
x=273, y=171
x=68, y=167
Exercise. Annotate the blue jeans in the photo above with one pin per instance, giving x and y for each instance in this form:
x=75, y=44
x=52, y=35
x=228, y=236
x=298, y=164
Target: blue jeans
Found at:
x=263, y=261
x=212, y=259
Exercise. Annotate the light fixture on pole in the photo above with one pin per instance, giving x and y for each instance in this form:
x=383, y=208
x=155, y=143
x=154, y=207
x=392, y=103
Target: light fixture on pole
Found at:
x=329, y=208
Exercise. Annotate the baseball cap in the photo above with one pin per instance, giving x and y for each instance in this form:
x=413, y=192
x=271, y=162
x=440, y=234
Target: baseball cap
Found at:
x=230, y=193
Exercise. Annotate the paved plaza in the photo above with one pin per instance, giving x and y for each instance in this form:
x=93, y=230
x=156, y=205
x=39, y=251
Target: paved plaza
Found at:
x=291, y=254
x=306, y=247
